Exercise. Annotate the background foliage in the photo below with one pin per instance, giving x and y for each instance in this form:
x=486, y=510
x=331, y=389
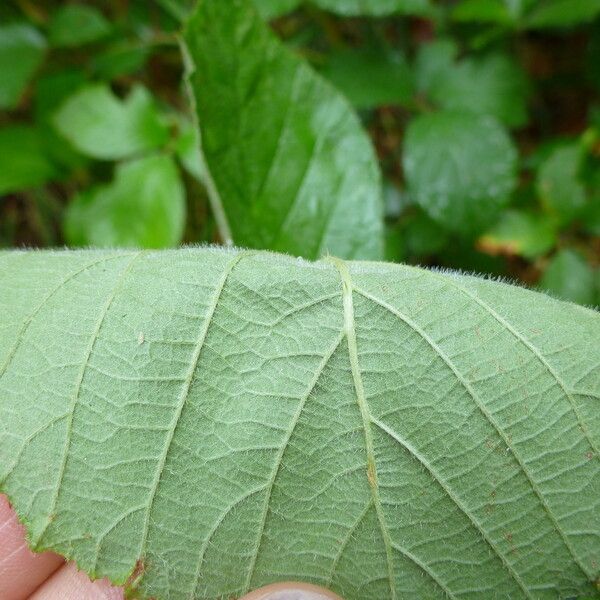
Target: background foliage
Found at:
x=484, y=114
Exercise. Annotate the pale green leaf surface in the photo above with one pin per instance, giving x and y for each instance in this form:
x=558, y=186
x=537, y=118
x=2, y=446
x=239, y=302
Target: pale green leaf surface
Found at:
x=290, y=166
x=143, y=207
x=460, y=168
x=232, y=418
x=103, y=126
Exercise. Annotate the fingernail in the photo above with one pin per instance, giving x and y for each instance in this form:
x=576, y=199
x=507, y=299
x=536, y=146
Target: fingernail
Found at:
x=291, y=591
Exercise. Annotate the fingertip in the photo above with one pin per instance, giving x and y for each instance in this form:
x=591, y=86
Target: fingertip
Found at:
x=68, y=583
x=21, y=570
x=290, y=590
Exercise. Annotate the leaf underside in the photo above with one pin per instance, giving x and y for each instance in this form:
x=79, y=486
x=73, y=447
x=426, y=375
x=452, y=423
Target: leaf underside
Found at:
x=218, y=420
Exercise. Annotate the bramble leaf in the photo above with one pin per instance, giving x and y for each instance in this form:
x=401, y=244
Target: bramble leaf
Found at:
x=215, y=420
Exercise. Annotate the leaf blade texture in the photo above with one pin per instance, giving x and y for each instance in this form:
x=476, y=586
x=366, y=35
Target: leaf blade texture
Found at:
x=291, y=169
x=228, y=418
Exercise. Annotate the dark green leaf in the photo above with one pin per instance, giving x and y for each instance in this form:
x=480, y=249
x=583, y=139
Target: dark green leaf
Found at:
x=143, y=207
x=77, y=24
x=423, y=236
x=119, y=59
x=562, y=13
x=22, y=50
x=24, y=161
x=460, y=168
x=369, y=78
x=482, y=11
x=569, y=276
x=102, y=126
x=292, y=168
x=558, y=184
x=270, y=9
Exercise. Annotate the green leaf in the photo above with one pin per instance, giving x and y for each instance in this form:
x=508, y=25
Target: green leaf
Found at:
x=143, y=207
x=520, y=232
x=22, y=50
x=187, y=148
x=119, y=59
x=217, y=420
x=24, y=161
x=562, y=13
x=376, y=8
x=291, y=167
x=460, y=168
x=491, y=85
x=102, y=126
x=369, y=78
x=423, y=236
x=269, y=9
x=482, y=11
x=558, y=184
x=569, y=276
x=77, y=24
x=433, y=60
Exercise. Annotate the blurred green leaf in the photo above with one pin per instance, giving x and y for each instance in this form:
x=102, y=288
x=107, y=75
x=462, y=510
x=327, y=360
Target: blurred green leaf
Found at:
x=376, y=8
x=53, y=88
x=460, y=168
x=269, y=9
x=293, y=169
x=369, y=78
x=77, y=24
x=423, y=236
x=143, y=207
x=520, y=232
x=22, y=50
x=119, y=59
x=482, y=11
x=569, y=276
x=558, y=183
x=24, y=161
x=102, y=126
x=591, y=216
x=187, y=148
x=433, y=60
x=562, y=13
x=491, y=84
